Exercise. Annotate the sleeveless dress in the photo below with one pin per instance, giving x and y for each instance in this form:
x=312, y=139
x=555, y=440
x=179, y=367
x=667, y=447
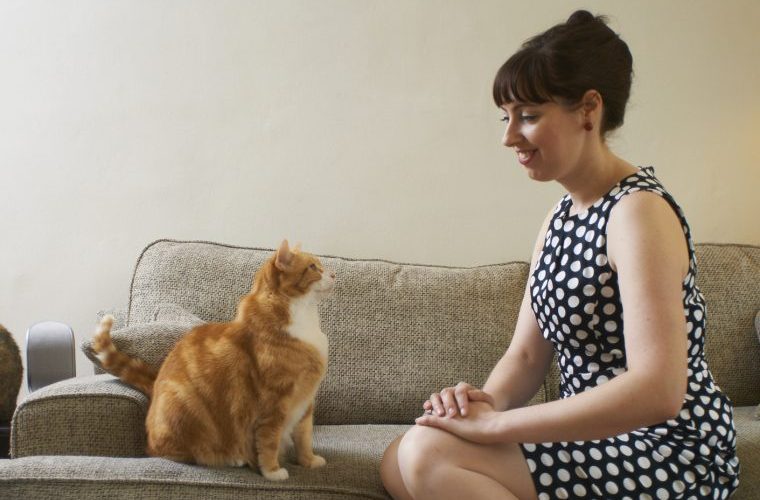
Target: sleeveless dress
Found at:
x=574, y=295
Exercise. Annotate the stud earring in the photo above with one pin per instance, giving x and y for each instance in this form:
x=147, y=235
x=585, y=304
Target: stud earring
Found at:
x=588, y=126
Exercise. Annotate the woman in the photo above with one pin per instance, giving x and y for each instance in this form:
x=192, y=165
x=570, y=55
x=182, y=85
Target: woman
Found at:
x=611, y=292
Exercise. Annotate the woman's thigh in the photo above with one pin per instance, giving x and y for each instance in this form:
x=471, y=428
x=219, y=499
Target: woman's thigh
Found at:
x=423, y=449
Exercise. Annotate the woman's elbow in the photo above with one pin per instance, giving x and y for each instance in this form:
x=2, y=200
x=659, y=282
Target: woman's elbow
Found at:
x=671, y=399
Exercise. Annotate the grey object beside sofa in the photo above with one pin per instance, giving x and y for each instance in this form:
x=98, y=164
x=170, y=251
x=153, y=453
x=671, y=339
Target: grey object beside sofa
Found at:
x=397, y=332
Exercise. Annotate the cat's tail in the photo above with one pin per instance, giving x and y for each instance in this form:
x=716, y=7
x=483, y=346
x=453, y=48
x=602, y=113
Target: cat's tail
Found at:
x=133, y=371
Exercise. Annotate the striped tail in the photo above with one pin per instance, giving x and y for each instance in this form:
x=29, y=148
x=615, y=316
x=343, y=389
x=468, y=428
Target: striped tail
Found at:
x=133, y=371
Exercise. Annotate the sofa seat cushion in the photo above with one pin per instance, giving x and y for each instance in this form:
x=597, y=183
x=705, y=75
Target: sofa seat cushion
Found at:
x=353, y=455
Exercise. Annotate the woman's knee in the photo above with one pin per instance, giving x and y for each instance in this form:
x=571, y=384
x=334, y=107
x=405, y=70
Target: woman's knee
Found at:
x=390, y=473
x=420, y=452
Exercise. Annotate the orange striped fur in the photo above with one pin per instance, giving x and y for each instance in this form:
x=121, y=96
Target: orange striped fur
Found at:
x=232, y=393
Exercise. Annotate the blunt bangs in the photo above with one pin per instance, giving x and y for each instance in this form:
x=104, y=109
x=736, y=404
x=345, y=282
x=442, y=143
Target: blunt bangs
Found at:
x=523, y=78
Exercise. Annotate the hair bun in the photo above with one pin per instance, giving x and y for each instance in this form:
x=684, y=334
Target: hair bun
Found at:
x=581, y=17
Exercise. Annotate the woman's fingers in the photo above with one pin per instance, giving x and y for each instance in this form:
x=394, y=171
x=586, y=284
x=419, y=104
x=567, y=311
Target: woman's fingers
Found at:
x=436, y=405
x=461, y=392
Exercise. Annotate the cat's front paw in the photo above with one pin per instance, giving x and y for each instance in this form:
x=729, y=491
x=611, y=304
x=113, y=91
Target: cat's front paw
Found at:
x=280, y=474
x=313, y=462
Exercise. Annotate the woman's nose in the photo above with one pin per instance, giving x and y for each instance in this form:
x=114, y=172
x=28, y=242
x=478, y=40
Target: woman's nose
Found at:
x=511, y=135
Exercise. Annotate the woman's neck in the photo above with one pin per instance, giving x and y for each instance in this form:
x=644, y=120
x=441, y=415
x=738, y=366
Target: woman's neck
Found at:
x=593, y=177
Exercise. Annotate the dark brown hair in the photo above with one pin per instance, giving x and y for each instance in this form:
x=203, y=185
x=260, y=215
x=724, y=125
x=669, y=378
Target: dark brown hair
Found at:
x=566, y=61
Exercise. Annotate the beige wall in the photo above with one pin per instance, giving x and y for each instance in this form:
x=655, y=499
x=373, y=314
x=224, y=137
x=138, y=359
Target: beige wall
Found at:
x=361, y=128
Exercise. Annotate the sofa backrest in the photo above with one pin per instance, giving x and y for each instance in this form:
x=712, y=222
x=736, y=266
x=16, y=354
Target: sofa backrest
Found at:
x=397, y=332
x=400, y=331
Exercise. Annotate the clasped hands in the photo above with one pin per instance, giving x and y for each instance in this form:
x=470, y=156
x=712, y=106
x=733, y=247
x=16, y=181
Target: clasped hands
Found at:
x=464, y=411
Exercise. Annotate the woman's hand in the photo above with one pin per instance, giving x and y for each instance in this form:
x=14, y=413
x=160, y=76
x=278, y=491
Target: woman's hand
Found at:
x=455, y=400
x=480, y=426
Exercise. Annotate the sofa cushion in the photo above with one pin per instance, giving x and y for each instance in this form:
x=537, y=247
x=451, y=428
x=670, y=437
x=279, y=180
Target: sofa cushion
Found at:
x=353, y=455
x=397, y=332
x=152, y=341
x=728, y=278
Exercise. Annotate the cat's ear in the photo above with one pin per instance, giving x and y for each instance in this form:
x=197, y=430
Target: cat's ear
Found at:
x=284, y=256
x=297, y=248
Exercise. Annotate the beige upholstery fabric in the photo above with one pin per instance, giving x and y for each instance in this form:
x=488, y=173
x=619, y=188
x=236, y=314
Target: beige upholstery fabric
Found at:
x=353, y=456
x=397, y=332
x=95, y=415
x=729, y=277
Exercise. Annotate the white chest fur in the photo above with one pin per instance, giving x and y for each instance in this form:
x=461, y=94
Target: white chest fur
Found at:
x=304, y=323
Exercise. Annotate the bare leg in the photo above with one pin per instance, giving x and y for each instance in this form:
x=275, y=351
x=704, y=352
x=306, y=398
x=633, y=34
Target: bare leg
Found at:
x=430, y=463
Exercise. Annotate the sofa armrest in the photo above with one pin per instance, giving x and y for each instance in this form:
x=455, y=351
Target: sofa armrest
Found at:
x=96, y=415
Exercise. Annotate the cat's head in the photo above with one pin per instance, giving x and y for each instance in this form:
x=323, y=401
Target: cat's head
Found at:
x=295, y=273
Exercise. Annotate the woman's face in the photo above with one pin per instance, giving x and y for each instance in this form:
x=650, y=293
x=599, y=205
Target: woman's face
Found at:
x=548, y=138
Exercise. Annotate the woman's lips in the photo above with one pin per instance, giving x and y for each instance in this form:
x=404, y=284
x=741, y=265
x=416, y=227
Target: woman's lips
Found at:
x=525, y=157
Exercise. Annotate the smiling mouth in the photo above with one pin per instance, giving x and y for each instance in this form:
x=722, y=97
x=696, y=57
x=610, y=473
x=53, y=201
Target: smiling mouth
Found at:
x=524, y=157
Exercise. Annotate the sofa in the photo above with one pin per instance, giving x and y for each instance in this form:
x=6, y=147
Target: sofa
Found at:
x=397, y=332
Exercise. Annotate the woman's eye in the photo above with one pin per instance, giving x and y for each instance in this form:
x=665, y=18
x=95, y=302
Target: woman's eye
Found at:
x=528, y=118
x=504, y=118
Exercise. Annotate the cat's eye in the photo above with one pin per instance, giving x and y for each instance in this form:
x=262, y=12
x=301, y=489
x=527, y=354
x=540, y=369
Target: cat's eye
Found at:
x=313, y=267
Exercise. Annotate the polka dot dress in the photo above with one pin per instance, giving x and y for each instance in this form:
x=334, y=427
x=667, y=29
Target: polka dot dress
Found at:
x=574, y=295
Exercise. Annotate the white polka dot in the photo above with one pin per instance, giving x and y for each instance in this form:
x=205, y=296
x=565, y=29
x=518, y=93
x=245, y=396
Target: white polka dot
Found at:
x=613, y=469
x=611, y=488
x=643, y=462
x=563, y=475
x=561, y=493
x=645, y=481
x=547, y=460
x=560, y=276
x=661, y=475
x=545, y=479
x=595, y=472
x=573, y=301
x=579, y=490
x=607, y=292
x=588, y=272
x=609, y=309
x=579, y=457
x=589, y=290
x=662, y=494
x=572, y=283
x=568, y=225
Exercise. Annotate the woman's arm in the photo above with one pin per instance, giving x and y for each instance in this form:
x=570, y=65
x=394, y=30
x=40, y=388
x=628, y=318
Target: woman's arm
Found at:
x=647, y=248
x=518, y=374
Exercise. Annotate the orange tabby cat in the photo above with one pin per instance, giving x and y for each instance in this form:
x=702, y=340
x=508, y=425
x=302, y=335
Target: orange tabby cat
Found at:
x=230, y=393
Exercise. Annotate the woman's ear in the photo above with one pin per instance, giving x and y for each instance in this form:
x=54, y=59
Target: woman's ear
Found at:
x=592, y=104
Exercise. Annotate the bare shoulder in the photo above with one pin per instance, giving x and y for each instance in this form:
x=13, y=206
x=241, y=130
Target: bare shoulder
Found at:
x=643, y=226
